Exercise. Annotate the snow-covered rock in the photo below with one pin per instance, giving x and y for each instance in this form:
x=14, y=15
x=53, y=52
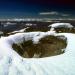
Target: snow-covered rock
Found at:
x=8, y=23
x=60, y=25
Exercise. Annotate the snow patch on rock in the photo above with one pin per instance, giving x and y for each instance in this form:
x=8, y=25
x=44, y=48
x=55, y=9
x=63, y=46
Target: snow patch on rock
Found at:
x=57, y=25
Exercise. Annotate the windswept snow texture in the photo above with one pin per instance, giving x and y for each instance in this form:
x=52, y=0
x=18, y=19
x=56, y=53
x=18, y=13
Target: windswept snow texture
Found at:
x=13, y=64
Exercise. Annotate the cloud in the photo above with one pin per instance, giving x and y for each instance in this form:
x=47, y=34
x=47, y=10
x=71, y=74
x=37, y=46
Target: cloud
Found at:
x=54, y=13
x=49, y=13
x=65, y=15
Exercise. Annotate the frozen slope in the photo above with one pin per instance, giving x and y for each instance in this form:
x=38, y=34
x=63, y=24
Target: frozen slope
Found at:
x=12, y=64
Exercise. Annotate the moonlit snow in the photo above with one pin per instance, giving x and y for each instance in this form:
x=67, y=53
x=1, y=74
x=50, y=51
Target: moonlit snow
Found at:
x=12, y=63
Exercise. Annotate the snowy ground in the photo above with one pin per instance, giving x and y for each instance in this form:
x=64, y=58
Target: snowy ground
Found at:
x=13, y=64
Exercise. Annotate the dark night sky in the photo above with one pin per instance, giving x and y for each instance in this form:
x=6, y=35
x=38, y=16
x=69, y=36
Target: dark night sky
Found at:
x=32, y=7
